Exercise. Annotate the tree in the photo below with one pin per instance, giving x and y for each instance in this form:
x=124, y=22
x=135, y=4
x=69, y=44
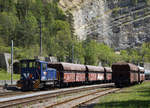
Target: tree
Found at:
x=124, y=56
x=79, y=52
x=145, y=52
x=7, y=6
x=91, y=57
x=8, y=22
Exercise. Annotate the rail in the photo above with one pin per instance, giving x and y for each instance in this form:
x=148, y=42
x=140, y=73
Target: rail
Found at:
x=25, y=99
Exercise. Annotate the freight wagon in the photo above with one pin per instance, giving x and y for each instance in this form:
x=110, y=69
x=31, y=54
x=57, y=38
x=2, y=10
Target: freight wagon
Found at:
x=126, y=74
x=95, y=74
x=68, y=73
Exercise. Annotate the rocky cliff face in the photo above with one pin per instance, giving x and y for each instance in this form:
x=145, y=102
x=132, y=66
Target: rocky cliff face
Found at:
x=119, y=23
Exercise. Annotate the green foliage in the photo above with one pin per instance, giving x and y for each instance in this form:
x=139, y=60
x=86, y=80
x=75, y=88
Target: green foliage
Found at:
x=147, y=1
x=79, y=52
x=91, y=52
x=137, y=96
x=20, y=21
x=5, y=49
x=7, y=5
x=21, y=53
x=137, y=55
x=8, y=22
x=7, y=76
x=124, y=55
x=106, y=54
x=134, y=2
x=97, y=52
x=145, y=52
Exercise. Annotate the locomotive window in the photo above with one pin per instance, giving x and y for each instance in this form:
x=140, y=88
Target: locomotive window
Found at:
x=37, y=65
x=30, y=64
x=44, y=66
x=24, y=65
x=33, y=64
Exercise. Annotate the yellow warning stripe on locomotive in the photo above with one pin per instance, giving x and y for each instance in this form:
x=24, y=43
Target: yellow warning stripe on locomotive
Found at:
x=19, y=84
x=36, y=84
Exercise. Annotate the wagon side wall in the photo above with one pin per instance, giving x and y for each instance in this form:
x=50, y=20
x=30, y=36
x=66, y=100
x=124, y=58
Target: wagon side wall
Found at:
x=100, y=76
x=80, y=77
x=73, y=76
x=92, y=76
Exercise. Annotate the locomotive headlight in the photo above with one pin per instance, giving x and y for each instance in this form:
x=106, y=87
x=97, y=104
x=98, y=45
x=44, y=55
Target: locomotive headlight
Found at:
x=45, y=73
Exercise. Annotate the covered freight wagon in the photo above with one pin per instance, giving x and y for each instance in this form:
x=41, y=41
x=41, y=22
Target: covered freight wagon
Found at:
x=95, y=73
x=68, y=73
x=125, y=74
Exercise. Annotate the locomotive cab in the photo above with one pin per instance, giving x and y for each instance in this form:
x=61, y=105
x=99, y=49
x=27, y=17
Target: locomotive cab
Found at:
x=35, y=74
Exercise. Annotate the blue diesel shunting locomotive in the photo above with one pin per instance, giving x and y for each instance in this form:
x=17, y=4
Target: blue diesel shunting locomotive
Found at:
x=36, y=74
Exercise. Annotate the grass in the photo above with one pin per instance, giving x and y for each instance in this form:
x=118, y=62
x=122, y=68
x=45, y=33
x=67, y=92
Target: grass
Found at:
x=7, y=76
x=137, y=96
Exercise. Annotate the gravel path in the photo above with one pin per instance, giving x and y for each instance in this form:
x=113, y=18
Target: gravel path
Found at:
x=3, y=82
x=90, y=104
x=68, y=104
x=48, y=102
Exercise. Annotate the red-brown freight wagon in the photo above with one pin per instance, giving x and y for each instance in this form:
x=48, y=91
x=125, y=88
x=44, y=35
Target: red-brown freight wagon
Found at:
x=125, y=74
x=108, y=74
x=68, y=73
x=95, y=73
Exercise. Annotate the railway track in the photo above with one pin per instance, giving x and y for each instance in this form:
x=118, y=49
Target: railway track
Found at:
x=4, y=92
x=76, y=101
x=1, y=87
x=12, y=93
x=41, y=96
x=84, y=102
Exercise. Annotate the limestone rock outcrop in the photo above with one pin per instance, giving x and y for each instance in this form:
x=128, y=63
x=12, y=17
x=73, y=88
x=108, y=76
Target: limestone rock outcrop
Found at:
x=118, y=23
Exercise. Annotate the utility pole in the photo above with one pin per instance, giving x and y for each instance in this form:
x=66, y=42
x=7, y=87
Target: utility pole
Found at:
x=73, y=53
x=12, y=62
x=40, y=38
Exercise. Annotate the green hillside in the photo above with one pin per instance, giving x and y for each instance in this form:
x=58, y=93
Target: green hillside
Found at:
x=21, y=21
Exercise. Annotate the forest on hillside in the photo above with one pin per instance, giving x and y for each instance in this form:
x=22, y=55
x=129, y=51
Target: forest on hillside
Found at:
x=21, y=21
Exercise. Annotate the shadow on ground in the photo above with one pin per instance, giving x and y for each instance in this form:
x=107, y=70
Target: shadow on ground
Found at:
x=145, y=92
x=121, y=104
x=13, y=88
x=137, y=103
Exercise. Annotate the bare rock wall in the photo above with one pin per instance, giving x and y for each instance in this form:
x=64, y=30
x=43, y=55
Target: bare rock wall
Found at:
x=118, y=23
